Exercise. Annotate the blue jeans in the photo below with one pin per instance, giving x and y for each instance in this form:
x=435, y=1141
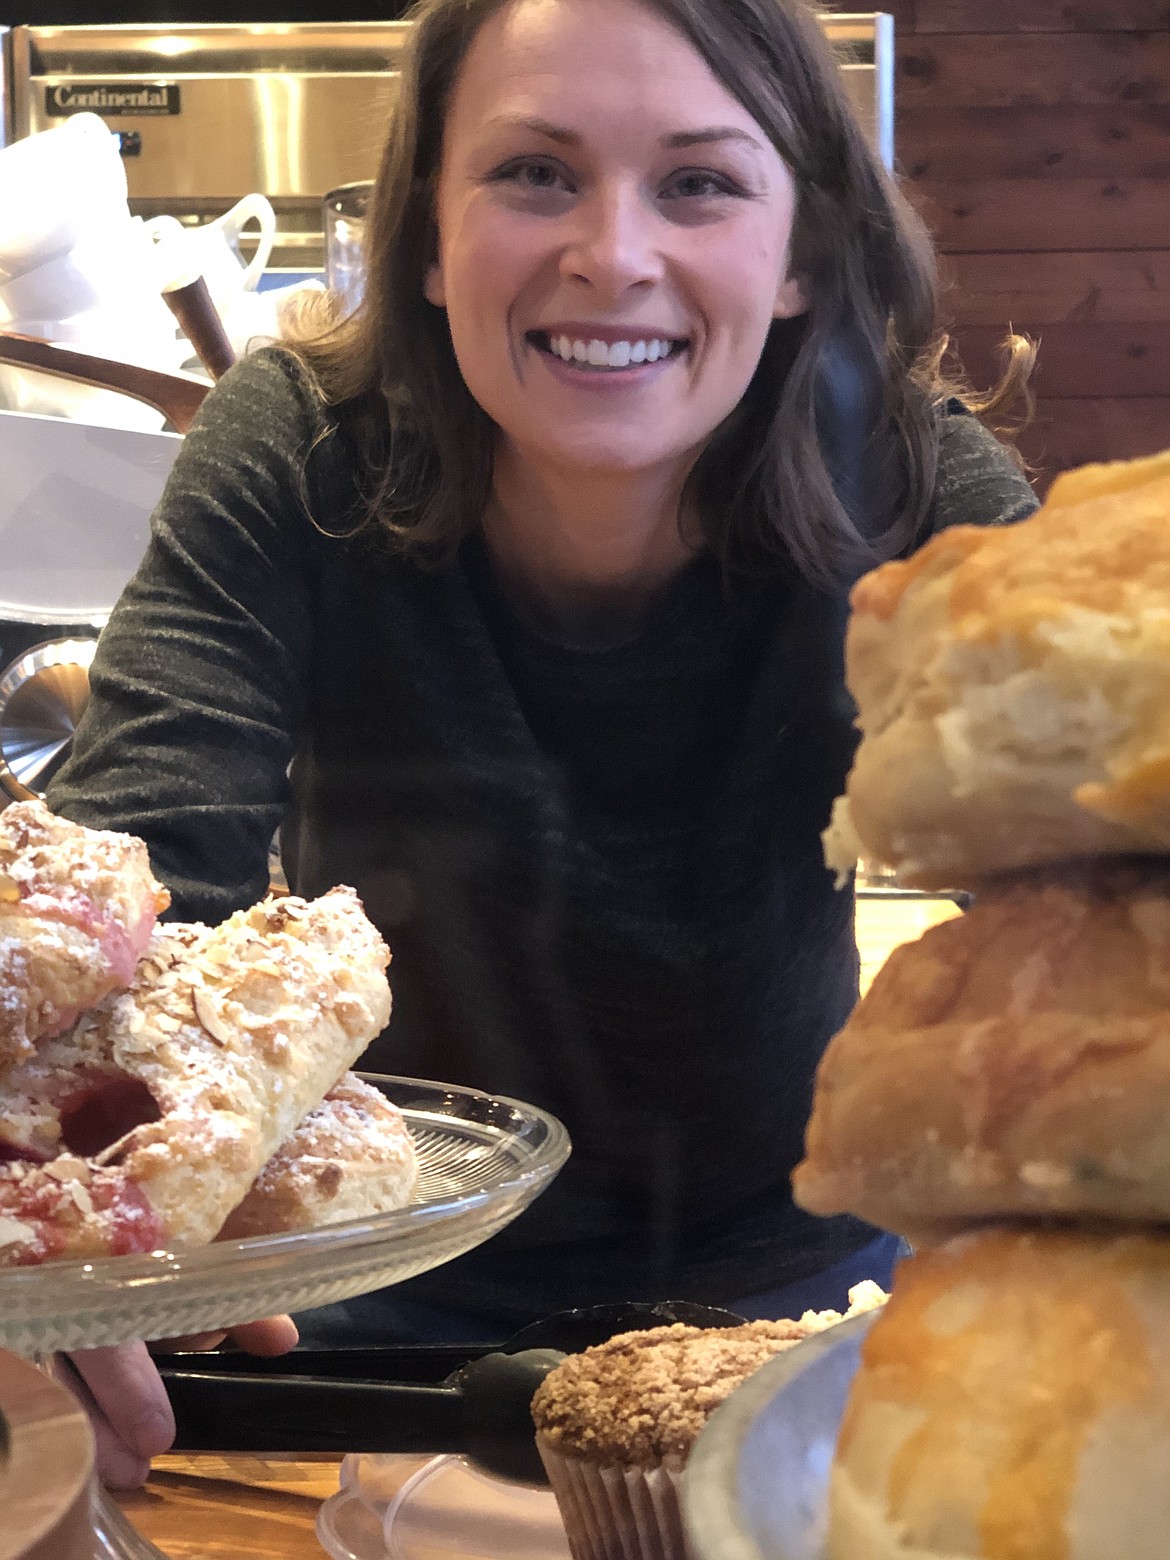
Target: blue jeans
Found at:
x=384, y=1318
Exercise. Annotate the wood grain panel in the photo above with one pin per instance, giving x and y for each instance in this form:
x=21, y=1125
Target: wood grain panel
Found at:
x=1119, y=142
x=1034, y=136
x=1101, y=361
x=204, y=1507
x=904, y=12
x=1075, y=430
x=1093, y=286
x=1040, y=16
x=1019, y=70
x=1045, y=214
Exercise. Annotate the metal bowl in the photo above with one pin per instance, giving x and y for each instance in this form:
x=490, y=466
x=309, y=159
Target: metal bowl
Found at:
x=756, y=1485
x=42, y=696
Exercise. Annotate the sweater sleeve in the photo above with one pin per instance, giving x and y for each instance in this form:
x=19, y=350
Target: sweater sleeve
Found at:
x=978, y=481
x=197, y=688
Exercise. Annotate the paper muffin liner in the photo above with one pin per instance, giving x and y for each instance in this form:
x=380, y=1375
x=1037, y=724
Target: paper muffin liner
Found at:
x=618, y=1512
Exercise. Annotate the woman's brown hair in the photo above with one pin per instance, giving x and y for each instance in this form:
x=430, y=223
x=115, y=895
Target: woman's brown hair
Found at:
x=829, y=460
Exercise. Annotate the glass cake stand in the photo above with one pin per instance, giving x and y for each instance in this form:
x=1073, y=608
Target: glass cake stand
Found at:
x=482, y=1160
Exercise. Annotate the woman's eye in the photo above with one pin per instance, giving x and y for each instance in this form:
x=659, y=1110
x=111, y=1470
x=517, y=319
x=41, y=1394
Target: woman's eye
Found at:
x=698, y=183
x=533, y=174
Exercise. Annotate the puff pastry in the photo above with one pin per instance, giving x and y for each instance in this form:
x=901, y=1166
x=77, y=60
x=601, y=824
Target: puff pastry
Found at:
x=1013, y=689
x=351, y=1157
x=1014, y=1061
x=77, y=907
x=148, y=1122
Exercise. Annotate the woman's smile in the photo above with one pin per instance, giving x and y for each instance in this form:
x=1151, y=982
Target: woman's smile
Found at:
x=599, y=353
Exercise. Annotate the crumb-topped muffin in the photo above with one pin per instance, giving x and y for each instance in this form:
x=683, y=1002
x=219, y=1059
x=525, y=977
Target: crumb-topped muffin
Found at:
x=642, y=1397
x=616, y=1423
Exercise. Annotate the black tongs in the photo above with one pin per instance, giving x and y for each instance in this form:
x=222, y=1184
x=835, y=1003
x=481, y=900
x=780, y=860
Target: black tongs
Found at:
x=447, y=1398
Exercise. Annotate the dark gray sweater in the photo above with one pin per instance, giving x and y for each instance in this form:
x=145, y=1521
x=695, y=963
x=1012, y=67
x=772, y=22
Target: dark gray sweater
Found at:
x=598, y=868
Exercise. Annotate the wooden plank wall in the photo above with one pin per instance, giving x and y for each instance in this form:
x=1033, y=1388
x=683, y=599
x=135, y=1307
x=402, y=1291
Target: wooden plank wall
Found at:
x=1034, y=136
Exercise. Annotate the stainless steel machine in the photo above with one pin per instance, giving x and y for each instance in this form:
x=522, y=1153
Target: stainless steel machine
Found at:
x=208, y=112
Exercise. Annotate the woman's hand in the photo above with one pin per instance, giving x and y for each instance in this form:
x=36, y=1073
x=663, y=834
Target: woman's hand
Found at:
x=127, y=1403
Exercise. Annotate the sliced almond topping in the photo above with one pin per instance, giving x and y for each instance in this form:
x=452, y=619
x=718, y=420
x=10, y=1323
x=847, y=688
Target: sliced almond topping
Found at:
x=267, y=967
x=68, y=1168
x=211, y=1019
x=9, y=890
x=253, y=1021
x=81, y=1197
x=14, y=1233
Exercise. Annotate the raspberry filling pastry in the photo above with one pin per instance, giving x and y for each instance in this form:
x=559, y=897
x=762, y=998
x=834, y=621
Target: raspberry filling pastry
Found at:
x=77, y=908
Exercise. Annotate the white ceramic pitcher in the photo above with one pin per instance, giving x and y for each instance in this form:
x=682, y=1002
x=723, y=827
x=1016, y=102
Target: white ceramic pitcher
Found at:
x=212, y=250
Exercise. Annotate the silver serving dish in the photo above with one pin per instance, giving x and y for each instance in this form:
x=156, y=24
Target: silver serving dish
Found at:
x=42, y=696
x=756, y=1485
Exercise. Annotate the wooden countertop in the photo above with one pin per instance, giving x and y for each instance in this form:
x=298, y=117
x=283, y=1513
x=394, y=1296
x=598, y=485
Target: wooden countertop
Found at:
x=236, y=1506
x=248, y=1507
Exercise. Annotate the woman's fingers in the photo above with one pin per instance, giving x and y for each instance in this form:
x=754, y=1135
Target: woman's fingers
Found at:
x=128, y=1408
x=118, y=1468
x=190, y=1343
x=273, y=1335
x=127, y=1404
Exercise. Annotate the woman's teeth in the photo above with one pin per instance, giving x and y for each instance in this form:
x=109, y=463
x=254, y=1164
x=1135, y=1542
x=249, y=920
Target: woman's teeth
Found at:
x=614, y=354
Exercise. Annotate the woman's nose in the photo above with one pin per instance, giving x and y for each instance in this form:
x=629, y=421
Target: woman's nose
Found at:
x=613, y=245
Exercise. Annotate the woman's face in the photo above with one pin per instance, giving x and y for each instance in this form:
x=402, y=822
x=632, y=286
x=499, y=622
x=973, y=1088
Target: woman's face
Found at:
x=613, y=237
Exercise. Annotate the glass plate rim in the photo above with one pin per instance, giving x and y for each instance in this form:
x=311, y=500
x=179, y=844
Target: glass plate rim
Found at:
x=710, y=1484
x=157, y=1266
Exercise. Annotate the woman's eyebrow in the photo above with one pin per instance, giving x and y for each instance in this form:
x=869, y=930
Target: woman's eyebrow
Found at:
x=538, y=126
x=714, y=133
x=674, y=141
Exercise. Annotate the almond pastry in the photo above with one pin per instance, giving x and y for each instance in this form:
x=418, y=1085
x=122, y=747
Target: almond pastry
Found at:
x=146, y=1124
x=351, y=1157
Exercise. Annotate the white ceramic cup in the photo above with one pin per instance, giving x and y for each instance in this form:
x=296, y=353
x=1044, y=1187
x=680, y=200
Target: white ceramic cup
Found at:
x=55, y=188
x=212, y=250
x=113, y=264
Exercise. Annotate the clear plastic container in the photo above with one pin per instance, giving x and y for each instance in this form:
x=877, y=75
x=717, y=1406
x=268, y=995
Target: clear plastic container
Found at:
x=448, y=1507
x=344, y=216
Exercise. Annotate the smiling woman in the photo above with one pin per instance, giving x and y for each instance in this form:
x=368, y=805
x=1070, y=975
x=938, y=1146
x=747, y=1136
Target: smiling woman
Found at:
x=614, y=200
x=708, y=161
x=517, y=600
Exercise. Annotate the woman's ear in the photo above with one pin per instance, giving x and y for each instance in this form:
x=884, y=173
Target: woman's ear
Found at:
x=792, y=298
x=433, y=289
